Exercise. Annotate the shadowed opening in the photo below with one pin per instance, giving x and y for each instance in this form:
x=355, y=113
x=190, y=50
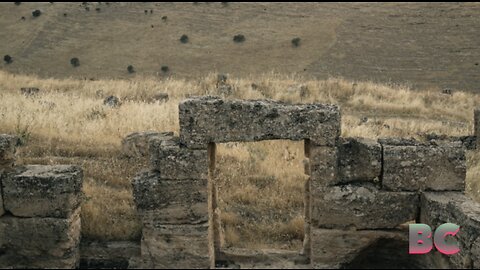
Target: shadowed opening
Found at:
x=386, y=254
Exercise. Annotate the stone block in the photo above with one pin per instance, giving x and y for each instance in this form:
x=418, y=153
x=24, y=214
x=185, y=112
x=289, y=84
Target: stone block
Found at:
x=359, y=159
x=323, y=165
x=361, y=207
x=40, y=242
x=137, y=144
x=454, y=207
x=2, y=209
x=415, y=166
x=211, y=119
x=177, y=246
x=173, y=161
x=43, y=191
x=476, y=125
x=166, y=201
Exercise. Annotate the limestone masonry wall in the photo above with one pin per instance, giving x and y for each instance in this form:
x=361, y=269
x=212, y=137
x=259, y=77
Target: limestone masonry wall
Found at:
x=357, y=187
x=39, y=213
x=359, y=191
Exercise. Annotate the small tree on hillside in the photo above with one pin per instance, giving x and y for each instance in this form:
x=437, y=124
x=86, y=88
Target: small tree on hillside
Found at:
x=8, y=59
x=75, y=62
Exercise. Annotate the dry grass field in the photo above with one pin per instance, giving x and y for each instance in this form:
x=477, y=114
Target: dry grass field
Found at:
x=260, y=184
x=395, y=70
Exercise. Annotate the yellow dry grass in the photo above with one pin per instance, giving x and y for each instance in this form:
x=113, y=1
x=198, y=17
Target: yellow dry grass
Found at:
x=260, y=183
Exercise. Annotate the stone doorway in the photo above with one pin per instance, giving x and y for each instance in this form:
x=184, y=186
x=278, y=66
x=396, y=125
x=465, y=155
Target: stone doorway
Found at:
x=259, y=198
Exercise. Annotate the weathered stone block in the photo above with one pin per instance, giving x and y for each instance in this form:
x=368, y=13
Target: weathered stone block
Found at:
x=137, y=144
x=164, y=201
x=415, y=166
x=40, y=242
x=323, y=165
x=2, y=209
x=43, y=191
x=177, y=246
x=211, y=119
x=454, y=207
x=359, y=159
x=475, y=253
x=175, y=162
x=361, y=207
x=476, y=125
x=7, y=151
x=468, y=142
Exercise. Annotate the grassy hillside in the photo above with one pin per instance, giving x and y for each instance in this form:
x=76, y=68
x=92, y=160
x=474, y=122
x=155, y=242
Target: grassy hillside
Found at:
x=423, y=45
x=260, y=183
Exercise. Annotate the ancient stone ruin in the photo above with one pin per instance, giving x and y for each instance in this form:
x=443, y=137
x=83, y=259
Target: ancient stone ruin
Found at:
x=359, y=197
x=359, y=194
x=39, y=213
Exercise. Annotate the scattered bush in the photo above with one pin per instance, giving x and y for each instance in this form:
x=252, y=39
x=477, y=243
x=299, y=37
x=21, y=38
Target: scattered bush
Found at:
x=165, y=69
x=17, y=3
x=296, y=42
x=23, y=18
x=146, y=11
x=98, y=9
x=130, y=69
x=64, y=14
x=184, y=39
x=29, y=91
x=75, y=62
x=112, y=101
x=164, y=18
x=87, y=8
x=8, y=59
x=447, y=91
x=239, y=38
x=36, y=13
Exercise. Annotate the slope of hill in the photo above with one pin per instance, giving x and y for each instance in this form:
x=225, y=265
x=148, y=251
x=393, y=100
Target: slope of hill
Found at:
x=424, y=45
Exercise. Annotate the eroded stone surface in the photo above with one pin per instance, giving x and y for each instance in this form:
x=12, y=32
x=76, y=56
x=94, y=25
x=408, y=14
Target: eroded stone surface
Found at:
x=476, y=126
x=361, y=207
x=172, y=161
x=415, y=166
x=211, y=119
x=359, y=159
x=40, y=242
x=43, y=191
x=454, y=207
x=137, y=144
x=323, y=165
x=166, y=201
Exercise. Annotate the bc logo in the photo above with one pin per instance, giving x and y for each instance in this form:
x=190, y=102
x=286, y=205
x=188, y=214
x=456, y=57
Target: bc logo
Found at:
x=420, y=239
